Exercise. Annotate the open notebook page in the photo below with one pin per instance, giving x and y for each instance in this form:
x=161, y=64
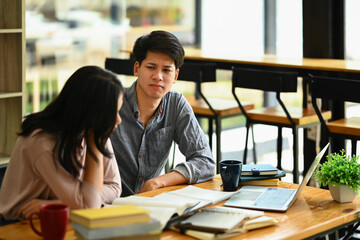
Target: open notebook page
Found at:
x=205, y=196
x=180, y=206
x=221, y=218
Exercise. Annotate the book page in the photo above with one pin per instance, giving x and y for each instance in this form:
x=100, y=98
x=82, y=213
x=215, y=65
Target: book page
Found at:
x=180, y=206
x=162, y=214
x=189, y=203
x=248, y=213
x=259, y=222
x=205, y=195
x=207, y=235
x=221, y=218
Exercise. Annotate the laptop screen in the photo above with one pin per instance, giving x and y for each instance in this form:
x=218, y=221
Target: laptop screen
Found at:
x=310, y=172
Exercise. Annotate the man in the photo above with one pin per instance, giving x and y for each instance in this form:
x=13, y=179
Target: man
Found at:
x=153, y=116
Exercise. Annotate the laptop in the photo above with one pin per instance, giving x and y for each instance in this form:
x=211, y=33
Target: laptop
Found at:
x=269, y=198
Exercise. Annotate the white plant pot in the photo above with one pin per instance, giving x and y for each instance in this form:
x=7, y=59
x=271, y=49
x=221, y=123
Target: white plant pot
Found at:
x=342, y=193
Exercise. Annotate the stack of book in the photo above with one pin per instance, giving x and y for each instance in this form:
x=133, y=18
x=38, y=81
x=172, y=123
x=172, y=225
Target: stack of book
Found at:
x=260, y=174
x=122, y=222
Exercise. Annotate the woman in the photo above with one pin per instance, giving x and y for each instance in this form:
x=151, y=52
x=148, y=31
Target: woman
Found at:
x=63, y=153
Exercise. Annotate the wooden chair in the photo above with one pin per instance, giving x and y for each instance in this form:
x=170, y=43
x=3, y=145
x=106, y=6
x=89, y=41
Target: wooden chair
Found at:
x=213, y=109
x=337, y=89
x=120, y=66
x=280, y=116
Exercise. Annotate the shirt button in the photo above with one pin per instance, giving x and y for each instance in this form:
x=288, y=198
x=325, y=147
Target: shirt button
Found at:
x=141, y=155
x=140, y=180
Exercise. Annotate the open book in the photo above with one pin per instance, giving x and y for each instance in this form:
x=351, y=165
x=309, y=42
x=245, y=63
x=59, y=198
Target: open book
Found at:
x=220, y=222
x=160, y=210
x=165, y=206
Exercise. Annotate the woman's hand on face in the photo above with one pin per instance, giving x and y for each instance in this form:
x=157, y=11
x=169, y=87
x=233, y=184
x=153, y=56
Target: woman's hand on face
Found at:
x=33, y=206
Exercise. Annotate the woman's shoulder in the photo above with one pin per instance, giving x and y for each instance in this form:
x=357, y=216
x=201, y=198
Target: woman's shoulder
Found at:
x=39, y=140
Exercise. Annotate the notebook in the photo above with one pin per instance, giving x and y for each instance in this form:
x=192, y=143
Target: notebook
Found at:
x=272, y=199
x=258, y=170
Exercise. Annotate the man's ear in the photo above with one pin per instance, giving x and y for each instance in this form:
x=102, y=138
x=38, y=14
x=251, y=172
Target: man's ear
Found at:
x=136, y=68
x=176, y=75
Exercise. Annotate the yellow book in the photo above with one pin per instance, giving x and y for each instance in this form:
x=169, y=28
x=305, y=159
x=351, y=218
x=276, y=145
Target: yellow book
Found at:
x=110, y=216
x=265, y=182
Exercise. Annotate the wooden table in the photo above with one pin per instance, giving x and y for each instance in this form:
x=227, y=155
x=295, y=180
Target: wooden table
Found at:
x=313, y=214
x=226, y=60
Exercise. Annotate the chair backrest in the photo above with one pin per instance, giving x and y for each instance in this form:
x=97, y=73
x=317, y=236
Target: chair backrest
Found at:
x=265, y=80
x=335, y=88
x=120, y=66
x=197, y=72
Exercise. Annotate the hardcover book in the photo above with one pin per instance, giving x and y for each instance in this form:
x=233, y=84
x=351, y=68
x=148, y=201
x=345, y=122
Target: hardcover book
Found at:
x=263, y=182
x=245, y=178
x=258, y=169
x=109, y=217
x=117, y=231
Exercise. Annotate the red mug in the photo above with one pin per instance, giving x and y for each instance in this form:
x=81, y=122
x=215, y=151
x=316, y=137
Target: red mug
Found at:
x=54, y=219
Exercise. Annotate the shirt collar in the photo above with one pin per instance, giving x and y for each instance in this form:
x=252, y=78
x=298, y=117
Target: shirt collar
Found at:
x=131, y=97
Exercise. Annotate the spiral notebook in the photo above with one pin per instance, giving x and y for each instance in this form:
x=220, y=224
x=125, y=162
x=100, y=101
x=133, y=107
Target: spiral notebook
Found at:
x=222, y=222
x=269, y=198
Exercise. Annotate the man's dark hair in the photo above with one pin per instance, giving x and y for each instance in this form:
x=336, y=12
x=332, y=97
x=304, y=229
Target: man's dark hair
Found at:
x=159, y=41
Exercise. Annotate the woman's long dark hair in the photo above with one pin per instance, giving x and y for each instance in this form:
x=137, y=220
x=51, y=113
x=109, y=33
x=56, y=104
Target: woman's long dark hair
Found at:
x=86, y=104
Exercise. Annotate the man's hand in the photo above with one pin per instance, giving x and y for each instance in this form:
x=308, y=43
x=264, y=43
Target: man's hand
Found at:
x=33, y=206
x=169, y=179
x=152, y=184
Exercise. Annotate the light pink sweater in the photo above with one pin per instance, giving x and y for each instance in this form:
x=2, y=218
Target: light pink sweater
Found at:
x=32, y=173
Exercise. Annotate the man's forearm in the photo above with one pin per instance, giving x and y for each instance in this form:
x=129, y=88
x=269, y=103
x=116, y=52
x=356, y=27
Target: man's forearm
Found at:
x=169, y=179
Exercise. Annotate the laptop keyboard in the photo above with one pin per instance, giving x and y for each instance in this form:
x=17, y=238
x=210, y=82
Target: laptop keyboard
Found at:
x=274, y=197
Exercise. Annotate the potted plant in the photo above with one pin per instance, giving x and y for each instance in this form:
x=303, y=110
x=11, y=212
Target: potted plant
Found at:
x=341, y=174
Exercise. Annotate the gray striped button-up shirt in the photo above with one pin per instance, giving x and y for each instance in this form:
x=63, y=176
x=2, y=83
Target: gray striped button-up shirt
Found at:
x=142, y=151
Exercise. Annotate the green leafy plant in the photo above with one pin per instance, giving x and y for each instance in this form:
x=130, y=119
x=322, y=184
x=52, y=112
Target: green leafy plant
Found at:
x=339, y=169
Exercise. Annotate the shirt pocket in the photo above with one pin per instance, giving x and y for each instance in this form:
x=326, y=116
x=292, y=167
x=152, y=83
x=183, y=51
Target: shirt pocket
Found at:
x=158, y=144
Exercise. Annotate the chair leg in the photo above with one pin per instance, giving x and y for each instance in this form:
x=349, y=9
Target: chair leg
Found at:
x=246, y=142
x=279, y=148
x=253, y=139
x=353, y=147
x=210, y=132
x=296, y=156
x=218, y=141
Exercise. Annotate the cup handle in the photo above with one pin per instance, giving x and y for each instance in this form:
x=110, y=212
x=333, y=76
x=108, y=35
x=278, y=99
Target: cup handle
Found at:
x=32, y=225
